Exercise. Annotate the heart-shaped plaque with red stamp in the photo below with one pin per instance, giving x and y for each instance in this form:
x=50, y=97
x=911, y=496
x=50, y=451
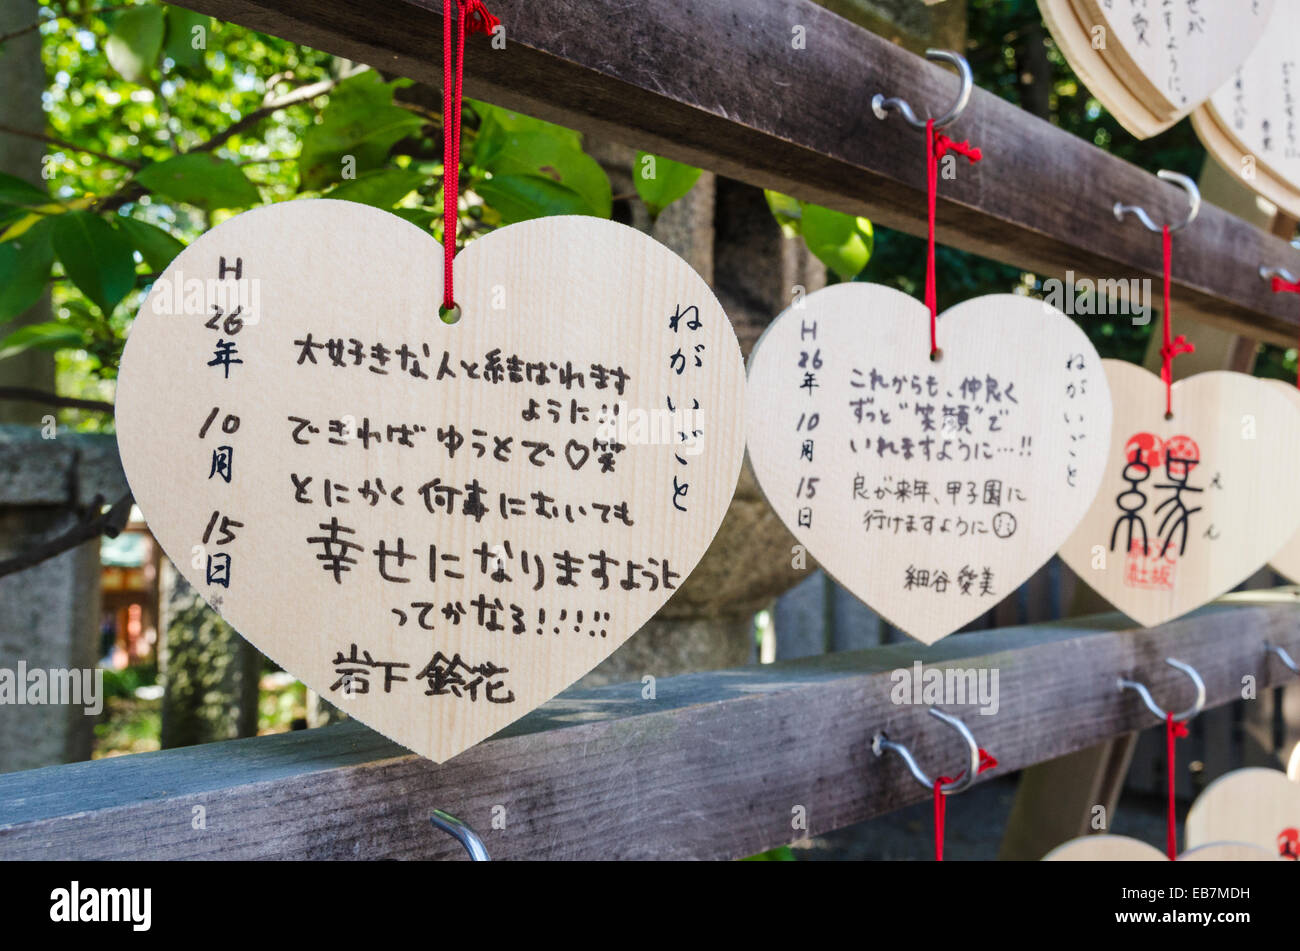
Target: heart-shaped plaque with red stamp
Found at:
x=1190, y=506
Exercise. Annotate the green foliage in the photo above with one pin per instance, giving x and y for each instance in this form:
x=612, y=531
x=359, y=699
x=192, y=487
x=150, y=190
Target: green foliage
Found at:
x=134, y=42
x=96, y=257
x=25, y=264
x=661, y=181
x=122, y=684
x=16, y=194
x=199, y=179
x=383, y=187
x=782, y=853
x=181, y=43
x=530, y=168
x=842, y=242
x=51, y=335
x=360, y=124
x=155, y=245
x=520, y=197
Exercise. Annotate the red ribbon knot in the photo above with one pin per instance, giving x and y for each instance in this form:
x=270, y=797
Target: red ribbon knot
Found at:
x=943, y=145
x=479, y=19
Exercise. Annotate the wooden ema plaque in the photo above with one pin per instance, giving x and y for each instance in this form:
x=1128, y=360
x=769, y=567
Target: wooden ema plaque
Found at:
x=1260, y=807
x=1105, y=848
x=1286, y=561
x=435, y=527
x=1248, y=124
x=1190, y=506
x=930, y=490
x=1150, y=65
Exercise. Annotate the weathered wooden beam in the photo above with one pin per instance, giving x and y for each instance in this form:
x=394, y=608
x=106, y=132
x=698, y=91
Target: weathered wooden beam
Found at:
x=714, y=767
x=721, y=84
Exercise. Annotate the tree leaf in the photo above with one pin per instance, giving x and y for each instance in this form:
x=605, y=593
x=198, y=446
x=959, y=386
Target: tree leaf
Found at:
x=787, y=211
x=52, y=335
x=422, y=218
x=134, y=41
x=25, y=264
x=540, y=153
x=95, y=256
x=361, y=122
x=155, y=245
x=15, y=191
x=200, y=179
x=496, y=123
x=383, y=188
x=521, y=197
x=842, y=242
x=661, y=181
x=179, y=45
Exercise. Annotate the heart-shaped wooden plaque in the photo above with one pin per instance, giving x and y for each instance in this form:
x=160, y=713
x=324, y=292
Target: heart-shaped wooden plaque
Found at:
x=1286, y=560
x=1248, y=123
x=1105, y=848
x=1257, y=806
x=930, y=490
x=435, y=527
x=1173, y=58
x=1190, y=506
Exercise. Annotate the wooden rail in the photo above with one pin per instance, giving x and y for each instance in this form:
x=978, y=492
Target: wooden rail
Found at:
x=719, y=83
x=712, y=767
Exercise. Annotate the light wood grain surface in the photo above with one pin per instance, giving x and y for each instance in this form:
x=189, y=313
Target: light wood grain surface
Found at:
x=483, y=570
x=930, y=490
x=1256, y=806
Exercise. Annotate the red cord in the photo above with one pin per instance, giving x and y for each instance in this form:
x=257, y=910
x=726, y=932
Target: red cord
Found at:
x=1173, y=731
x=1178, y=345
x=1279, y=286
x=936, y=147
x=474, y=17
x=940, y=809
x=941, y=804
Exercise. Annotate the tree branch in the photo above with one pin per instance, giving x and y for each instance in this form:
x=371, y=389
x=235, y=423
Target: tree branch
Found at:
x=129, y=191
x=50, y=399
x=269, y=106
x=108, y=523
x=20, y=32
x=63, y=144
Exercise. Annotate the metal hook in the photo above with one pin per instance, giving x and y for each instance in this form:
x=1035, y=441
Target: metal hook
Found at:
x=1284, y=657
x=882, y=106
x=1268, y=273
x=462, y=833
x=880, y=743
x=1183, y=182
x=1145, y=694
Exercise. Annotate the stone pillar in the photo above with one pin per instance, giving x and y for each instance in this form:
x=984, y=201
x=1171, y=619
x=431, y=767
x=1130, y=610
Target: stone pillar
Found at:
x=49, y=613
